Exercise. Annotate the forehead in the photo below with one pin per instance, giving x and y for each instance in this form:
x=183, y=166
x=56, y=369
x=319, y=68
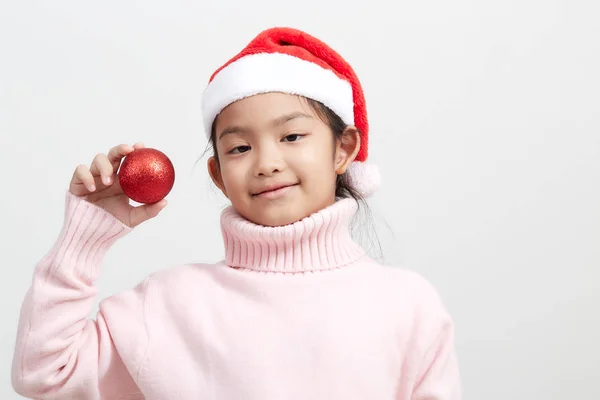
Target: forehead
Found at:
x=263, y=107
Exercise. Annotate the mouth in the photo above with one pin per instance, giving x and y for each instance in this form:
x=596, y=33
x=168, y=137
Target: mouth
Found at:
x=274, y=191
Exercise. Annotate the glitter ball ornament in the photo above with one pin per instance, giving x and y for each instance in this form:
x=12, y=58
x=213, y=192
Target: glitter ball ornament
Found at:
x=146, y=175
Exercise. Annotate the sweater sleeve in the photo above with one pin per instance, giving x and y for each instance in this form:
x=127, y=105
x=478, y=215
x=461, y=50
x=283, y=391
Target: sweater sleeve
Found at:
x=438, y=376
x=59, y=352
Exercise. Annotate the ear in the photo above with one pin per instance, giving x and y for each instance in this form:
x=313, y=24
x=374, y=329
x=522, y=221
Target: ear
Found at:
x=346, y=149
x=214, y=170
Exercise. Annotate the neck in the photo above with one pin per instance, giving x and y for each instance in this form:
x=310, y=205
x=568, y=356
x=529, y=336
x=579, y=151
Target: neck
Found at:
x=321, y=241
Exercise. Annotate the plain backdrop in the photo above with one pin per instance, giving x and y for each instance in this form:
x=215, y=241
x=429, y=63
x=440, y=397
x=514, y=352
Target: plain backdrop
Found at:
x=485, y=122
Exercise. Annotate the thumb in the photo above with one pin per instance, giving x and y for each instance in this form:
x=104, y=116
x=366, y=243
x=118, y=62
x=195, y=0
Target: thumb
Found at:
x=145, y=212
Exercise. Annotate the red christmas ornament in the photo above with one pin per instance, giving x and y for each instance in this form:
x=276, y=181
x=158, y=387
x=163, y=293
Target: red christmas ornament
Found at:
x=146, y=175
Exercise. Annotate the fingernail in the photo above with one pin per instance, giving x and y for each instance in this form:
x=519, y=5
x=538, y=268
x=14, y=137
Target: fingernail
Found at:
x=107, y=180
x=92, y=188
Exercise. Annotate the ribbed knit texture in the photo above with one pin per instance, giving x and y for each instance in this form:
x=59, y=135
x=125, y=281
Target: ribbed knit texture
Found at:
x=294, y=312
x=318, y=243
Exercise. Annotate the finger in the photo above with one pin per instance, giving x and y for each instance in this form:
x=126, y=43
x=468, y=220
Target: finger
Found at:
x=139, y=145
x=116, y=154
x=102, y=167
x=145, y=212
x=83, y=176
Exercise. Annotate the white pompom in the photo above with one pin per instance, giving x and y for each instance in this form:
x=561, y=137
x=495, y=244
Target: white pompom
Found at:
x=364, y=177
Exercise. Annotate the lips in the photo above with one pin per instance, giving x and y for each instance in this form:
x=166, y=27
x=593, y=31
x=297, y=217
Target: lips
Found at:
x=272, y=188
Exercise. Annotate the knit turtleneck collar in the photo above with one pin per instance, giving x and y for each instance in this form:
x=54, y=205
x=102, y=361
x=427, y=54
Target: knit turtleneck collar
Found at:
x=318, y=242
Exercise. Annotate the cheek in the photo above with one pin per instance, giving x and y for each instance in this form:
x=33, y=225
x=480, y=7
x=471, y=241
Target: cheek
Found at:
x=232, y=174
x=315, y=162
x=321, y=154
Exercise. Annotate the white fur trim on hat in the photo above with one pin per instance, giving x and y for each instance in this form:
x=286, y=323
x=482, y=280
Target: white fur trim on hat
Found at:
x=276, y=72
x=364, y=177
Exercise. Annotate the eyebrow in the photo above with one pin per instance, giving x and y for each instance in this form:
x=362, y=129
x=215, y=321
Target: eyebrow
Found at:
x=275, y=122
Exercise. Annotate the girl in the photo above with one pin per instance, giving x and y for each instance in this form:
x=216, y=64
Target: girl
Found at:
x=297, y=310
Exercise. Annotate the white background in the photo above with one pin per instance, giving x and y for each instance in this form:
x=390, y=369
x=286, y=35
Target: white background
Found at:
x=485, y=122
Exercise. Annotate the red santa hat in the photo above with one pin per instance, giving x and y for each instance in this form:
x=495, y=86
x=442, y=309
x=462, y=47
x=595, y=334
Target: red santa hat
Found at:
x=291, y=61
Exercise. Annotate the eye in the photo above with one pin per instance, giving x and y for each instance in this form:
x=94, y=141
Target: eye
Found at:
x=294, y=137
x=239, y=149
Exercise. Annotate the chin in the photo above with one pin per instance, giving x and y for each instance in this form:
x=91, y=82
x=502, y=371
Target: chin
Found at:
x=275, y=216
x=280, y=212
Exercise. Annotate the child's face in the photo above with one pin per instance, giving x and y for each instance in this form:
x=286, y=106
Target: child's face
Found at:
x=272, y=140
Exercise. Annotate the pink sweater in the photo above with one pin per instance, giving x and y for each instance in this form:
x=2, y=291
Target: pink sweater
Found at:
x=295, y=312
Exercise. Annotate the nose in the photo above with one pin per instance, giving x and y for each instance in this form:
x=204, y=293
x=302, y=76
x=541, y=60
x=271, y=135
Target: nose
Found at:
x=269, y=161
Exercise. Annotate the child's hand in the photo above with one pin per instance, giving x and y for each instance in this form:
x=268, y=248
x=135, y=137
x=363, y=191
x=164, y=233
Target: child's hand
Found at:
x=100, y=186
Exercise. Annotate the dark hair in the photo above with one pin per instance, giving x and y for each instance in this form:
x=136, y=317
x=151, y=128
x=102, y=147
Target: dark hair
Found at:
x=343, y=187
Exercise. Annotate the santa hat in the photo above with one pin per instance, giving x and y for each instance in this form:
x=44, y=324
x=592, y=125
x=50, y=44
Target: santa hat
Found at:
x=291, y=61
